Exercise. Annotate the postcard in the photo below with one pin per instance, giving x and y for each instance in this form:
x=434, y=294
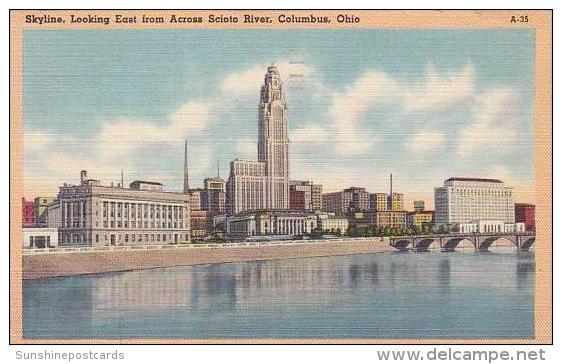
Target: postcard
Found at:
x=275, y=176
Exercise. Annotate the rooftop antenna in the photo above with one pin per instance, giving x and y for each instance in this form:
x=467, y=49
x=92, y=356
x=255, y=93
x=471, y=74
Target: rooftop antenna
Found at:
x=122, y=184
x=218, y=170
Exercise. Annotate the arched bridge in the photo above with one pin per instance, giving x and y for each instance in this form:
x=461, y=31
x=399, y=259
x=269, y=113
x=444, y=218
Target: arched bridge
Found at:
x=448, y=242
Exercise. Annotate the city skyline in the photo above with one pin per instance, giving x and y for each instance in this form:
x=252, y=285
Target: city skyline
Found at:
x=353, y=119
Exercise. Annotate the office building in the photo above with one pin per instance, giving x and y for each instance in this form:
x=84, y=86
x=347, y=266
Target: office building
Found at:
x=378, y=202
x=213, y=196
x=298, y=201
x=420, y=219
x=199, y=224
x=396, y=202
x=463, y=200
x=316, y=197
x=525, y=213
x=265, y=183
x=246, y=187
x=390, y=219
x=41, y=204
x=419, y=205
x=27, y=212
x=352, y=199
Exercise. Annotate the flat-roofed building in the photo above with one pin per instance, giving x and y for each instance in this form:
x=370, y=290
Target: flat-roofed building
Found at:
x=195, y=198
x=96, y=215
x=199, y=224
x=525, y=213
x=392, y=219
x=213, y=196
x=316, y=197
x=27, y=212
x=332, y=224
x=419, y=205
x=41, y=204
x=378, y=201
x=39, y=237
x=349, y=200
x=462, y=200
x=419, y=219
x=246, y=186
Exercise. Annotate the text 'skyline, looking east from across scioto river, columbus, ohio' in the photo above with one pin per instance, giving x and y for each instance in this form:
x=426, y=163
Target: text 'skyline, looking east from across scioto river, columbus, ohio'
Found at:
x=251, y=19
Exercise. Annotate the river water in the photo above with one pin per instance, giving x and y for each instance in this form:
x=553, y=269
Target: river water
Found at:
x=388, y=295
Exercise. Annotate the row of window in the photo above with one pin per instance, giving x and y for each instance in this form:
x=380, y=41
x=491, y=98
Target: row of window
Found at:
x=141, y=238
x=480, y=192
x=132, y=210
x=141, y=225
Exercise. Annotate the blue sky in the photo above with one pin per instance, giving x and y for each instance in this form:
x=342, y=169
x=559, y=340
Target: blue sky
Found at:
x=422, y=104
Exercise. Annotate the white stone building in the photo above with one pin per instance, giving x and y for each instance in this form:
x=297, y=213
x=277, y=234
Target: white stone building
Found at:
x=332, y=223
x=271, y=222
x=93, y=215
x=463, y=200
x=38, y=237
x=491, y=226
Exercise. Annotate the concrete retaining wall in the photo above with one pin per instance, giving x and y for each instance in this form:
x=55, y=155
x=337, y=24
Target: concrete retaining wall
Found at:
x=68, y=264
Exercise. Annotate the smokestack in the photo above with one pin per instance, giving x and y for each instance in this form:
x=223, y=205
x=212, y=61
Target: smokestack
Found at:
x=185, y=170
x=390, y=196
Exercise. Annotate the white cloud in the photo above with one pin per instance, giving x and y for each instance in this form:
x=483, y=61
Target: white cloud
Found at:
x=373, y=89
x=36, y=141
x=349, y=106
x=437, y=91
x=491, y=127
x=425, y=141
x=312, y=133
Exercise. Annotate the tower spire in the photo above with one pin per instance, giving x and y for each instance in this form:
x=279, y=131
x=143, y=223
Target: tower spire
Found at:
x=185, y=170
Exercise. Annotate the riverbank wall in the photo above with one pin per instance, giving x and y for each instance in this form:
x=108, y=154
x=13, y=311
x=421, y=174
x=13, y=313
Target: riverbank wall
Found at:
x=63, y=264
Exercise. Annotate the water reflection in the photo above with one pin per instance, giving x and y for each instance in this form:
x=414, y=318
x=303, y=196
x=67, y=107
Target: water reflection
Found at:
x=383, y=295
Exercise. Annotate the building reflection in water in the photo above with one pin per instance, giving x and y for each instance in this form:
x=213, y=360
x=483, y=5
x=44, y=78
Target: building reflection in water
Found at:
x=525, y=271
x=373, y=293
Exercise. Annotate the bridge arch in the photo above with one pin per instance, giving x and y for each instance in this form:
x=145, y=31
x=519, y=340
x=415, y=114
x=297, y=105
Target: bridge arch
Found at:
x=527, y=243
x=451, y=244
x=487, y=242
x=425, y=243
x=402, y=244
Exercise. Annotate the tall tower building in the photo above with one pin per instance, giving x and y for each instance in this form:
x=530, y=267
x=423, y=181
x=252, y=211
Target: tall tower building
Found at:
x=264, y=184
x=273, y=140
